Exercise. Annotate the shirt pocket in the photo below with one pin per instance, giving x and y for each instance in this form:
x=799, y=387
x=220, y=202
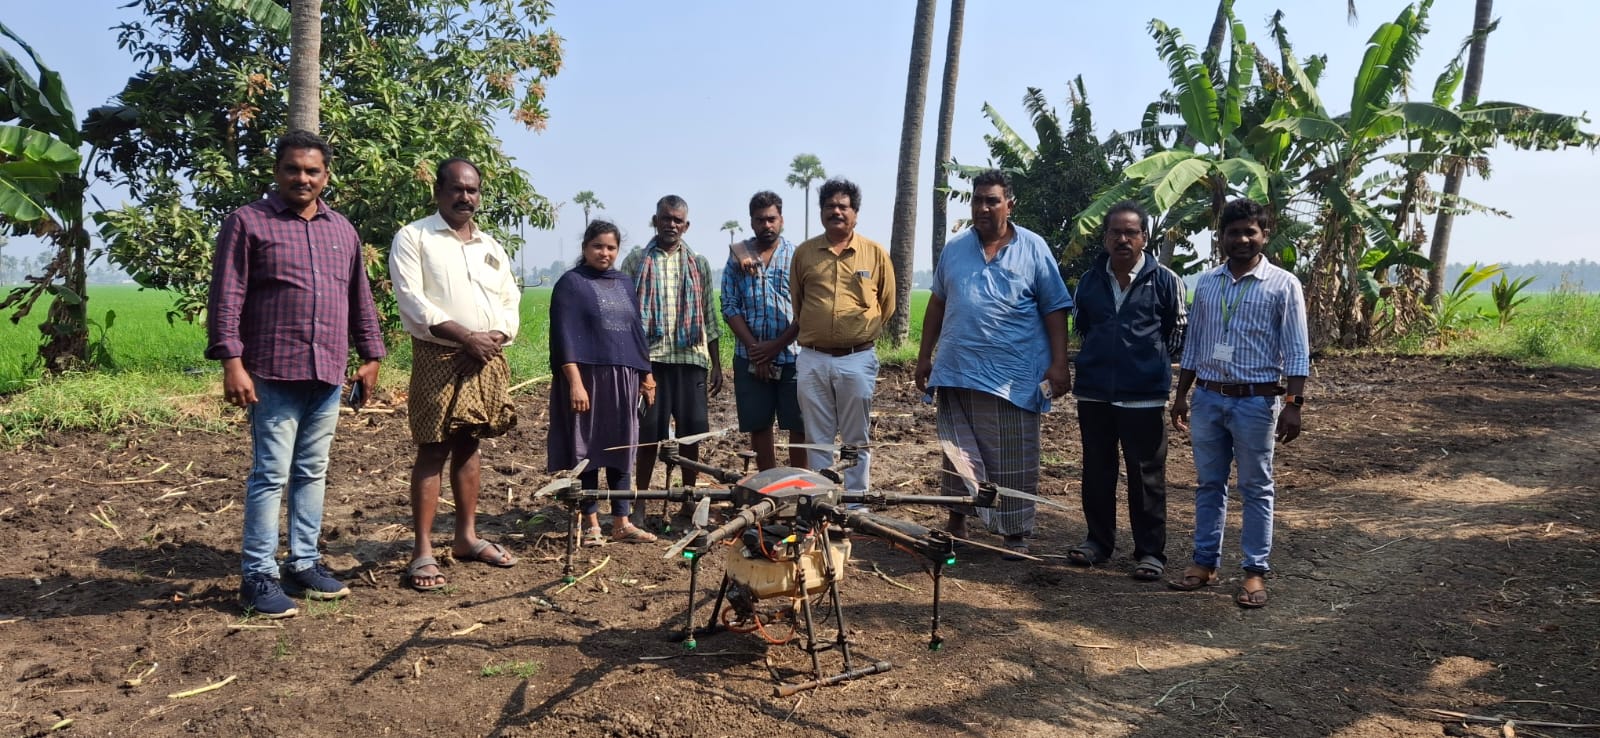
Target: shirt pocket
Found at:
x=1251, y=318
x=1005, y=287
x=863, y=286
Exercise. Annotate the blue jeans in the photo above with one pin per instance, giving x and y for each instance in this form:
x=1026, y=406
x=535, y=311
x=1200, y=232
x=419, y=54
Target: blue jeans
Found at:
x=1224, y=430
x=291, y=430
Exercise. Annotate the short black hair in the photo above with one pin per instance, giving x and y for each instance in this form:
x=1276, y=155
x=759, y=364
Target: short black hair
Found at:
x=302, y=139
x=835, y=186
x=596, y=229
x=1128, y=206
x=1245, y=209
x=765, y=199
x=444, y=167
x=992, y=177
x=671, y=202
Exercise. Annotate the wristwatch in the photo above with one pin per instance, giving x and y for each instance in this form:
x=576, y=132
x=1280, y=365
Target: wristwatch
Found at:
x=1295, y=400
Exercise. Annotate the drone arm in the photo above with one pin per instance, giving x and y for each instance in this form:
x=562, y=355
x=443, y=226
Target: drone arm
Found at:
x=749, y=516
x=669, y=454
x=890, y=498
x=862, y=521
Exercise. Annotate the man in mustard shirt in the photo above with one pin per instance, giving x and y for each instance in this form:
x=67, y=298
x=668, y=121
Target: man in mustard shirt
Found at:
x=843, y=290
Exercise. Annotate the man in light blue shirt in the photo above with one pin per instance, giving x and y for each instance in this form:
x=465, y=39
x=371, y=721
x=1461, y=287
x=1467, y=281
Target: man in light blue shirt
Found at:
x=1247, y=333
x=998, y=317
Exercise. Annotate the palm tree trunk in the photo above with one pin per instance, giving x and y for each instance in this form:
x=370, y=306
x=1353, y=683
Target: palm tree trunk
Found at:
x=305, y=65
x=903, y=233
x=947, y=117
x=809, y=214
x=1444, y=222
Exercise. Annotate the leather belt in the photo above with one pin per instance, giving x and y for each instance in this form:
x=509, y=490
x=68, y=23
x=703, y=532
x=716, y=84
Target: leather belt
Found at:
x=1262, y=389
x=842, y=351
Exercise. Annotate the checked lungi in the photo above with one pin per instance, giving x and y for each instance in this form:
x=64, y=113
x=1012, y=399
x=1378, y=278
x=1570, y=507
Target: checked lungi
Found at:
x=1001, y=442
x=450, y=396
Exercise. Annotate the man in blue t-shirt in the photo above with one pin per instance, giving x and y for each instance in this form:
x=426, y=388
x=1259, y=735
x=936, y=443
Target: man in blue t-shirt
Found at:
x=999, y=309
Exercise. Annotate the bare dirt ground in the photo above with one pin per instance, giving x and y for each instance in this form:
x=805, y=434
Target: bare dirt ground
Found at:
x=1437, y=549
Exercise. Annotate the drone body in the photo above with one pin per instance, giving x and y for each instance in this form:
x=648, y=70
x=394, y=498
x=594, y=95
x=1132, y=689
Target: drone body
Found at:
x=794, y=527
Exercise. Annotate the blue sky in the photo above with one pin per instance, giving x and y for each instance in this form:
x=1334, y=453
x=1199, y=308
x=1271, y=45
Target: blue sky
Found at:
x=711, y=99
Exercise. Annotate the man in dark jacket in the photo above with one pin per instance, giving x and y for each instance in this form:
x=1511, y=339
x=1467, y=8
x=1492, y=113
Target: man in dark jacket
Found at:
x=1129, y=314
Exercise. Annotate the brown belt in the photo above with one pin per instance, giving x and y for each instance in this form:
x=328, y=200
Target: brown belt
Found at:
x=1263, y=389
x=842, y=351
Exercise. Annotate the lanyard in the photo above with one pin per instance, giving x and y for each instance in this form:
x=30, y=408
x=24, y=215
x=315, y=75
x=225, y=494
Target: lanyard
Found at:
x=1228, y=307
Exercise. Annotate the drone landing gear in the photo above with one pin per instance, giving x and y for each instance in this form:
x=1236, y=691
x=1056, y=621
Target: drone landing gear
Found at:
x=840, y=642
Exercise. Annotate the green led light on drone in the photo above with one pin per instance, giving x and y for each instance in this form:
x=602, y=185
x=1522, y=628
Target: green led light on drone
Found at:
x=689, y=555
x=950, y=561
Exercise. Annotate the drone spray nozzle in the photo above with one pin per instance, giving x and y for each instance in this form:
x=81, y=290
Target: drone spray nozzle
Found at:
x=749, y=516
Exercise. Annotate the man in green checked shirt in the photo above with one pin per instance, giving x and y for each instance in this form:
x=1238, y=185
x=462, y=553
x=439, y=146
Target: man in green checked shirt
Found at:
x=680, y=326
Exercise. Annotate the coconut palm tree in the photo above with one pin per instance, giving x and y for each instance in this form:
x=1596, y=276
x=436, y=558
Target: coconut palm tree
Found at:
x=947, y=116
x=903, y=225
x=305, y=65
x=805, y=169
x=1444, y=221
x=732, y=227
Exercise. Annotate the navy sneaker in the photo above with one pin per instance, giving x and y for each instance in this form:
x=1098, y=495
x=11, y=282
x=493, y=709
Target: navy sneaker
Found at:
x=261, y=595
x=315, y=583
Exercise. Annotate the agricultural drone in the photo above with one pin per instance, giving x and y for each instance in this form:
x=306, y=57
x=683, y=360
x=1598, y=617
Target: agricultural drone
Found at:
x=788, y=531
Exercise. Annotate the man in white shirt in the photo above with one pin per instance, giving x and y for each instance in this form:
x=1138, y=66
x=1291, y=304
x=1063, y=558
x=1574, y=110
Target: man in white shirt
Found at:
x=459, y=301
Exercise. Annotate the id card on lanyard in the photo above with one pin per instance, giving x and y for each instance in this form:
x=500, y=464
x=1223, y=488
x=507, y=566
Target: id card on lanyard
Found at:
x=1223, y=352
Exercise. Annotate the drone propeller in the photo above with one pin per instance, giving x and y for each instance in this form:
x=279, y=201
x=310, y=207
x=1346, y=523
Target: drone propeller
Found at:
x=834, y=447
x=962, y=468
x=562, y=479
x=990, y=547
x=689, y=439
x=915, y=530
x=702, y=517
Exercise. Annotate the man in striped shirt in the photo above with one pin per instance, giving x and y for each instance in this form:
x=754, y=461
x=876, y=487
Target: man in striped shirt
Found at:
x=760, y=314
x=289, y=297
x=1247, y=333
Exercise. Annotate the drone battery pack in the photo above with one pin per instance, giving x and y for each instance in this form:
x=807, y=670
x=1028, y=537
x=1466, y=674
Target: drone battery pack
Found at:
x=768, y=578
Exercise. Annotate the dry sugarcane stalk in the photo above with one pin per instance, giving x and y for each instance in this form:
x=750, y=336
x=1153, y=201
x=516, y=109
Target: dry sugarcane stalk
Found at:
x=885, y=577
x=132, y=682
x=1452, y=714
x=520, y=385
x=586, y=574
x=202, y=690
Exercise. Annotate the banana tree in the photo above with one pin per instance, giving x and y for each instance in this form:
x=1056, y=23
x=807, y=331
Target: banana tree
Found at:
x=1185, y=186
x=1367, y=193
x=1356, y=220
x=41, y=193
x=1056, y=175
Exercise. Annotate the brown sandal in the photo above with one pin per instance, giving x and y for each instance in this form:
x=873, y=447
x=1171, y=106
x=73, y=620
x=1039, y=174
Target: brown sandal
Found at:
x=1195, y=577
x=592, y=537
x=1249, y=598
x=632, y=534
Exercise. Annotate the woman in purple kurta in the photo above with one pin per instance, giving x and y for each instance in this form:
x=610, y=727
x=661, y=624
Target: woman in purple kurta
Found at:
x=602, y=376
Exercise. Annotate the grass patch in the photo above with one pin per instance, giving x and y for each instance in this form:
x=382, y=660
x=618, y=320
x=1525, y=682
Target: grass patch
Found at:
x=139, y=338
x=1559, y=328
x=318, y=609
x=518, y=669
x=104, y=402
x=160, y=377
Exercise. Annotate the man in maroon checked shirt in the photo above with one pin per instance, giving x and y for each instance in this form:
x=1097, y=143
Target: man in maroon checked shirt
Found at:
x=289, y=297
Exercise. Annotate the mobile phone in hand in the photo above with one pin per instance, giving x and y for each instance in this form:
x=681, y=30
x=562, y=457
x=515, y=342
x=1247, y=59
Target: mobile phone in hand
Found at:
x=357, y=396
